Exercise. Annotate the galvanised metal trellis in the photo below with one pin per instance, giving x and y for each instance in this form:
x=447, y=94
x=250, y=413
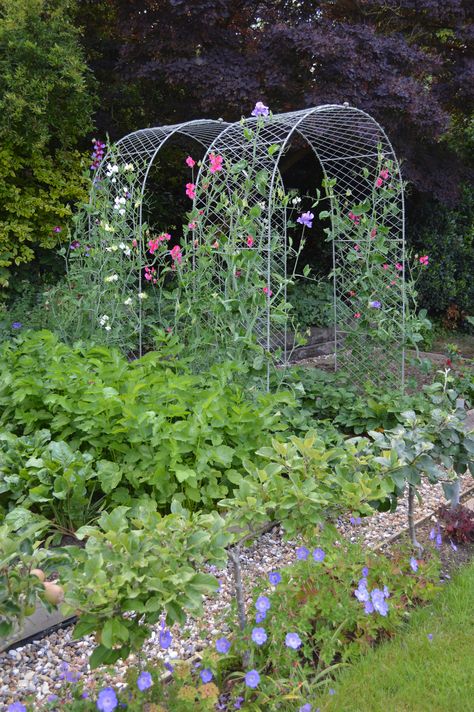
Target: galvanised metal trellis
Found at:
x=365, y=193
x=353, y=151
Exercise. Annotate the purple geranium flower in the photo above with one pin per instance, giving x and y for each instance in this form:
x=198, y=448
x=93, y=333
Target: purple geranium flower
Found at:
x=16, y=707
x=17, y=325
x=259, y=636
x=260, y=617
x=293, y=640
x=169, y=667
x=223, y=645
x=238, y=702
x=375, y=305
x=107, y=700
x=430, y=636
x=355, y=521
x=144, y=681
x=206, y=675
x=302, y=553
x=165, y=636
x=368, y=607
x=361, y=592
x=305, y=708
x=260, y=109
x=306, y=219
x=318, y=555
x=262, y=604
x=365, y=571
x=274, y=577
x=252, y=678
x=414, y=564
x=378, y=600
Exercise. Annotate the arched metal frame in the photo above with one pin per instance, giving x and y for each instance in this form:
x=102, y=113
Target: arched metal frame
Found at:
x=351, y=148
x=141, y=148
x=349, y=144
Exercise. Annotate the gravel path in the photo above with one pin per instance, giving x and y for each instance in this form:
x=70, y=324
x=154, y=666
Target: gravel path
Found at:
x=37, y=667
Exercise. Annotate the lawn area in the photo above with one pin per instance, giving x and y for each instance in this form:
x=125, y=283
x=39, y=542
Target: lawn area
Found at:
x=413, y=673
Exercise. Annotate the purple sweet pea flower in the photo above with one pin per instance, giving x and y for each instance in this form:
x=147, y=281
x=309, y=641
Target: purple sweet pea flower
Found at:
x=306, y=219
x=144, y=681
x=223, y=645
x=259, y=636
x=375, y=305
x=318, y=555
x=260, y=109
x=414, y=564
x=17, y=325
x=206, y=675
x=274, y=577
x=252, y=679
x=57, y=228
x=16, y=707
x=302, y=553
x=107, y=700
x=262, y=604
x=74, y=245
x=293, y=640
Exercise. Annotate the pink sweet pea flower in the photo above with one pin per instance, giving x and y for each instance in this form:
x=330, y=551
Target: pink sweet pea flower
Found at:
x=379, y=182
x=192, y=225
x=215, y=245
x=176, y=255
x=355, y=218
x=267, y=291
x=190, y=162
x=424, y=260
x=384, y=174
x=357, y=248
x=357, y=315
x=385, y=266
x=191, y=190
x=216, y=163
x=373, y=232
x=250, y=241
x=398, y=266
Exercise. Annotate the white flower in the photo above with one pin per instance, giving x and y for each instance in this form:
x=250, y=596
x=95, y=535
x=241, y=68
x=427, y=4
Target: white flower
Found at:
x=296, y=201
x=111, y=278
x=128, y=301
x=129, y=167
x=103, y=319
x=142, y=295
x=122, y=211
x=111, y=170
x=122, y=245
x=107, y=227
x=107, y=327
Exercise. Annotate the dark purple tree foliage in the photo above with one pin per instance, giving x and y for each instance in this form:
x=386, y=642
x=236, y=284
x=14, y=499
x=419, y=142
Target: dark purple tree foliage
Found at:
x=409, y=63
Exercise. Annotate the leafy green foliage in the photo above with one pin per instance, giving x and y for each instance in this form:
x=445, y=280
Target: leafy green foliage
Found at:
x=153, y=428
x=313, y=302
x=137, y=561
x=45, y=107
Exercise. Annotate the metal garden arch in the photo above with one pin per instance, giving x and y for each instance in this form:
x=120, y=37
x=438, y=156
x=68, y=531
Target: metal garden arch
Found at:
x=362, y=173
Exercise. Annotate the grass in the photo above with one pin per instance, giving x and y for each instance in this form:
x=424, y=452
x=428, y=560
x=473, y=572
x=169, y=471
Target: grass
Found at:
x=412, y=673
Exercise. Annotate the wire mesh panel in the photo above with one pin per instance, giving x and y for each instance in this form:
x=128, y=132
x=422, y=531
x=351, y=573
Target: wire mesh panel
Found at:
x=365, y=191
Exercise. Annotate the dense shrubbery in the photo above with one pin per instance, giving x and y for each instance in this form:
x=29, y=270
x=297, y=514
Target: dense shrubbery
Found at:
x=46, y=107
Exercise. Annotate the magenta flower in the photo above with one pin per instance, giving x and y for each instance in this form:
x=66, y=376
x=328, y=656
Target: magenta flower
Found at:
x=144, y=681
x=57, y=228
x=306, y=219
x=260, y=109
x=176, y=254
x=355, y=218
x=357, y=315
x=424, y=260
x=191, y=190
x=267, y=291
x=250, y=241
x=293, y=640
x=216, y=163
x=252, y=679
x=190, y=162
x=259, y=636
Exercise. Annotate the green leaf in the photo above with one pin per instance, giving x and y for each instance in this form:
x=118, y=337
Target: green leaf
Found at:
x=104, y=656
x=113, y=632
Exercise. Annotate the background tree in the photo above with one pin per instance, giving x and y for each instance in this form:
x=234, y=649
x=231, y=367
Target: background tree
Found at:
x=45, y=110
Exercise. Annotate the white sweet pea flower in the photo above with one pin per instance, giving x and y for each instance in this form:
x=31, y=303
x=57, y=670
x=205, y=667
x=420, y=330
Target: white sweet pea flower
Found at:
x=296, y=200
x=128, y=301
x=142, y=295
x=112, y=278
x=129, y=167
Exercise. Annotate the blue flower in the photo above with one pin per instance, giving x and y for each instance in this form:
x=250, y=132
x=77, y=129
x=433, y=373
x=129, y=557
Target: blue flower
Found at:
x=378, y=600
x=355, y=521
x=144, y=681
x=302, y=553
x=306, y=219
x=369, y=607
x=17, y=325
x=223, y=645
x=274, y=577
x=260, y=617
x=430, y=636
x=169, y=667
x=206, y=675
x=260, y=109
x=259, y=636
x=16, y=707
x=252, y=678
x=375, y=305
x=107, y=700
x=305, y=708
x=365, y=571
x=165, y=638
x=238, y=702
x=414, y=564
x=332, y=691
x=318, y=555
x=293, y=640
x=262, y=604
